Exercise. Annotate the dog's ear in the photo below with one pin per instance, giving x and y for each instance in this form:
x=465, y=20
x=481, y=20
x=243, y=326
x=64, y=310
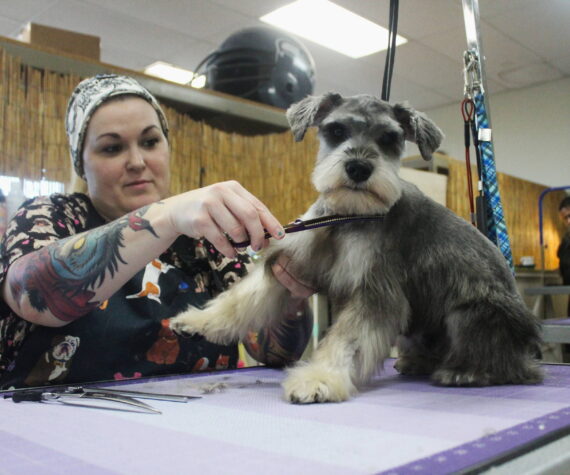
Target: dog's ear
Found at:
x=419, y=129
x=310, y=112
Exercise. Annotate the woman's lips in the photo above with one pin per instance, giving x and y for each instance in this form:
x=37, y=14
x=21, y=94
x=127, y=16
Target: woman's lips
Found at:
x=137, y=185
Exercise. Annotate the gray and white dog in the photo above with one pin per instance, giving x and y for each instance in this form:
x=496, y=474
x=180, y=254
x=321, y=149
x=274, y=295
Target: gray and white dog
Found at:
x=422, y=276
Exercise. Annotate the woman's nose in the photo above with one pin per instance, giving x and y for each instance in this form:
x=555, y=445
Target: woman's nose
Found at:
x=136, y=158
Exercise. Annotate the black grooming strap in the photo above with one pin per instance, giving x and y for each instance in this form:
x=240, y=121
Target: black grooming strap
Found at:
x=391, y=51
x=300, y=225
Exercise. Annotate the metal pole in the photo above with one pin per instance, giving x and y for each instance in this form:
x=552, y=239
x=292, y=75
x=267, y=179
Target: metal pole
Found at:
x=472, y=32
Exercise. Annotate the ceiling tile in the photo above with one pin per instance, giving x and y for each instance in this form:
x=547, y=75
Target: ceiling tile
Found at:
x=25, y=10
x=252, y=8
x=419, y=97
x=418, y=18
x=529, y=74
x=542, y=27
x=490, y=8
x=426, y=66
x=364, y=79
x=562, y=63
x=501, y=52
x=196, y=18
x=494, y=86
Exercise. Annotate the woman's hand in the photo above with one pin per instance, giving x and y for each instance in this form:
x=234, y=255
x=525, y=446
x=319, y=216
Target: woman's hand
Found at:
x=220, y=210
x=298, y=289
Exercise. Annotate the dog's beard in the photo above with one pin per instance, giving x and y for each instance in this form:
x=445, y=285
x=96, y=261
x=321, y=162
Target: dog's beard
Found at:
x=343, y=196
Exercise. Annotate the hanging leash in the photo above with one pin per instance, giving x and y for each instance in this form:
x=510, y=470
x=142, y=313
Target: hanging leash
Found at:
x=489, y=215
x=496, y=226
x=301, y=225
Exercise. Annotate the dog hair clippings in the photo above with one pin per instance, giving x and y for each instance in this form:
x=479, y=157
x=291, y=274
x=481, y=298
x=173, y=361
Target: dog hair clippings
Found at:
x=305, y=225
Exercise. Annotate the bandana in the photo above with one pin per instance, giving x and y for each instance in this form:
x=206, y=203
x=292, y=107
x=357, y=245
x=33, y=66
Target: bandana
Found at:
x=87, y=97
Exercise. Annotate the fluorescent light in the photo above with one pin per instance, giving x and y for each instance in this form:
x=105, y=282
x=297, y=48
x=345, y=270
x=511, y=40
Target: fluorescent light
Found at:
x=174, y=73
x=332, y=26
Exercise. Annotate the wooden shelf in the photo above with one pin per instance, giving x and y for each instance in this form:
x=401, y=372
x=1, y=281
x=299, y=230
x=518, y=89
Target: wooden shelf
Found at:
x=223, y=111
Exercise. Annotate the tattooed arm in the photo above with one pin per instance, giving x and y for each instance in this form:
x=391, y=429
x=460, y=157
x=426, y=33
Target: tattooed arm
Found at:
x=66, y=279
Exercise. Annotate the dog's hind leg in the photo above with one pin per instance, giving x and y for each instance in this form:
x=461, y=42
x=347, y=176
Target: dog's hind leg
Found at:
x=491, y=342
x=346, y=357
x=249, y=305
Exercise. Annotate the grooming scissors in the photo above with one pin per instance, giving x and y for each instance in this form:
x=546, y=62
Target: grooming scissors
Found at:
x=305, y=225
x=114, y=399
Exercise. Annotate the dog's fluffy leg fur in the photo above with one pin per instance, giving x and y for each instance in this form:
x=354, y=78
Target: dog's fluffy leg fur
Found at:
x=345, y=358
x=255, y=302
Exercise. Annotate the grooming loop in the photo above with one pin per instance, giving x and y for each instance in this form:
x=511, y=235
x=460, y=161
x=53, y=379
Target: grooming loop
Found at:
x=467, y=111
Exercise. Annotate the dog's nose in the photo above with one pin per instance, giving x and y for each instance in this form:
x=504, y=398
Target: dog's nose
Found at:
x=357, y=170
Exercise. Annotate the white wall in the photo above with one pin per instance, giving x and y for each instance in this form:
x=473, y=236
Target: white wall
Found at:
x=531, y=132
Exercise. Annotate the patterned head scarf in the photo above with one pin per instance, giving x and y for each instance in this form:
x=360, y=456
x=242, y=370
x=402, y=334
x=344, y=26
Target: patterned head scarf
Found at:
x=88, y=96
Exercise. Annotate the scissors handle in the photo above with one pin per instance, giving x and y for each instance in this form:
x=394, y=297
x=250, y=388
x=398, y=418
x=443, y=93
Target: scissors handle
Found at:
x=28, y=396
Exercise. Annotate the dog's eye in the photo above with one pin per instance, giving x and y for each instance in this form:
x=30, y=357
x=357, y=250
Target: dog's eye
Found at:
x=336, y=133
x=388, y=139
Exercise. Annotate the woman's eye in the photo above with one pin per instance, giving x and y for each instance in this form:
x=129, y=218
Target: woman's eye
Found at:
x=111, y=149
x=150, y=143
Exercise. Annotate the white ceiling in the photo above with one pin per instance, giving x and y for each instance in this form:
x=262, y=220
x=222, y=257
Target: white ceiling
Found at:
x=526, y=42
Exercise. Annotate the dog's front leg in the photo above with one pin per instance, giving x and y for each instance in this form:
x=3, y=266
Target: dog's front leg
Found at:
x=347, y=356
x=249, y=305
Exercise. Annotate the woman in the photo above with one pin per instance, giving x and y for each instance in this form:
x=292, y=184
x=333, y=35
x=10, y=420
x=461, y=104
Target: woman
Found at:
x=90, y=280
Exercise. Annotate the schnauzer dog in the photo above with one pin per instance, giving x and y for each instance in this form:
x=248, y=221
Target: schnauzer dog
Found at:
x=421, y=277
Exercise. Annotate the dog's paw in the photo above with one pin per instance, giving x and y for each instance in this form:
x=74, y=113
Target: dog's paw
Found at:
x=202, y=322
x=307, y=384
x=188, y=322
x=451, y=377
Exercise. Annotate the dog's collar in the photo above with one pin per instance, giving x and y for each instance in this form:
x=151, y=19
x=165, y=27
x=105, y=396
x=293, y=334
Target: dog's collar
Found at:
x=301, y=225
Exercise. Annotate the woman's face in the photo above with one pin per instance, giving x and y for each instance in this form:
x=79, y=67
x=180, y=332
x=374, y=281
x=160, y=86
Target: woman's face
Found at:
x=125, y=157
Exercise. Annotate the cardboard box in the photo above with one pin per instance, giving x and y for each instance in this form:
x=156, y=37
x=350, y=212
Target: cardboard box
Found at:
x=66, y=41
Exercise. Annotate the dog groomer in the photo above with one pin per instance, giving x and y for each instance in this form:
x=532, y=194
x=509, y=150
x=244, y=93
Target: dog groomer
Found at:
x=564, y=248
x=89, y=280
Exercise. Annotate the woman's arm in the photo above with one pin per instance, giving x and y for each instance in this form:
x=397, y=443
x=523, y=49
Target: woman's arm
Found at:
x=66, y=279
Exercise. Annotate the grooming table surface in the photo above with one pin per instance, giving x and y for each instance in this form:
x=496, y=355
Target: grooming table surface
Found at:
x=395, y=425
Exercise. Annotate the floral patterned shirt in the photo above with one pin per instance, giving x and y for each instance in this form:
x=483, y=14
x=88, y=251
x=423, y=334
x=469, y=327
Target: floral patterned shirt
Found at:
x=128, y=335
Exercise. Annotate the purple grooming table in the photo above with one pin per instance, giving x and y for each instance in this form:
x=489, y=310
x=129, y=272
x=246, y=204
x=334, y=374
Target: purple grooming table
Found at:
x=396, y=425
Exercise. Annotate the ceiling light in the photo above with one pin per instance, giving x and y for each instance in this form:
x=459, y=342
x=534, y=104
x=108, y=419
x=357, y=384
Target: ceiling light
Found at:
x=175, y=74
x=332, y=26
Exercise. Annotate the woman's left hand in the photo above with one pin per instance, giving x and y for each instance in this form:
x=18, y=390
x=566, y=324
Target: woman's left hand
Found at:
x=298, y=289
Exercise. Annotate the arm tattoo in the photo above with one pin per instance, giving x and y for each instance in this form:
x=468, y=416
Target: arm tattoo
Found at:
x=61, y=277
